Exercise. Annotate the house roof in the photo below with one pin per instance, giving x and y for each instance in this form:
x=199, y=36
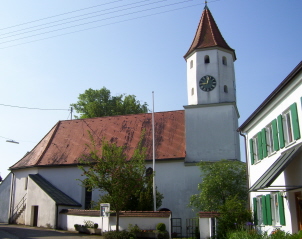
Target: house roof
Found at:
x=57, y=195
x=265, y=181
x=67, y=141
x=208, y=35
x=273, y=95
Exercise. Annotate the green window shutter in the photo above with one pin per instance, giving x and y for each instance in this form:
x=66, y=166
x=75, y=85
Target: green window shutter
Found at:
x=295, y=121
x=260, y=150
x=268, y=209
x=263, y=204
x=275, y=135
x=281, y=209
x=252, y=151
x=281, y=132
x=255, y=211
x=264, y=143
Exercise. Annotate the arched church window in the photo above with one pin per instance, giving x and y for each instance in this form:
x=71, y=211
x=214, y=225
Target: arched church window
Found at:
x=225, y=88
x=192, y=91
x=206, y=59
x=224, y=60
x=149, y=171
x=191, y=64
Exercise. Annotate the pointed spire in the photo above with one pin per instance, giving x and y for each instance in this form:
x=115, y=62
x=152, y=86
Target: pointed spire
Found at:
x=208, y=34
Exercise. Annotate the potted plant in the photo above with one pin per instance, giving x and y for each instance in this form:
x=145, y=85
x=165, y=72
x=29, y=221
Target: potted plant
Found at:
x=92, y=228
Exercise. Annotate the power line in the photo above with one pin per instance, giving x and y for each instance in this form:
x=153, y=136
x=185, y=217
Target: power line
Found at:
x=99, y=25
x=82, y=20
x=58, y=15
x=22, y=107
x=74, y=17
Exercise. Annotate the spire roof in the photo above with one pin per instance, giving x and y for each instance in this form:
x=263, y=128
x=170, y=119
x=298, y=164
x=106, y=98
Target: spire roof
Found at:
x=208, y=35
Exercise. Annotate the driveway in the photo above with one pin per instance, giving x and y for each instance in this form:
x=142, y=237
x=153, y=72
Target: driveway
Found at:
x=9, y=231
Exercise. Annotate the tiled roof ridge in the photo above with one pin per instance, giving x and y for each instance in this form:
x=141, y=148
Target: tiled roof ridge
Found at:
x=127, y=115
x=12, y=167
x=211, y=25
x=49, y=142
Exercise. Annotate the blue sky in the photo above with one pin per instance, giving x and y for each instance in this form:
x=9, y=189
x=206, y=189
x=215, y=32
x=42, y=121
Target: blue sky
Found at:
x=135, y=50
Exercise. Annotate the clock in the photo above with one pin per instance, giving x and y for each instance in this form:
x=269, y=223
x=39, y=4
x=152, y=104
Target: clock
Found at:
x=207, y=83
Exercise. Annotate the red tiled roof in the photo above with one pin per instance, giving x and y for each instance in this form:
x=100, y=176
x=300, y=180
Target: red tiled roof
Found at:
x=67, y=141
x=208, y=35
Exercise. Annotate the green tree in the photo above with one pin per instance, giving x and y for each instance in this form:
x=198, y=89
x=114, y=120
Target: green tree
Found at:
x=98, y=103
x=108, y=170
x=143, y=201
x=221, y=180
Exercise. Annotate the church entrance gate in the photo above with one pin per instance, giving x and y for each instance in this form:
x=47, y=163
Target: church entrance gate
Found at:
x=176, y=228
x=192, y=227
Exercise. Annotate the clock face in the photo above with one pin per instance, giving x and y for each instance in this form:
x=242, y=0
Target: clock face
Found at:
x=207, y=83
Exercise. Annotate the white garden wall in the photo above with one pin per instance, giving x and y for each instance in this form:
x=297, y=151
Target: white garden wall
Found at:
x=145, y=220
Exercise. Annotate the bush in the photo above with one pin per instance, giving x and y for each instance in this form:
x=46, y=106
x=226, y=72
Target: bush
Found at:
x=134, y=228
x=117, y=235
x=233, y=216
x=161, y=227
x=244, y=234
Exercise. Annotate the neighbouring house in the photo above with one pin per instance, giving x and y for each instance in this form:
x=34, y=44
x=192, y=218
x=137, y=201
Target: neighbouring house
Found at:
x=46, y=179
x=274, y=153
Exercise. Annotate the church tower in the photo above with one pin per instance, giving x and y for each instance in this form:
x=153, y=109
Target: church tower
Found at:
x=211, y=113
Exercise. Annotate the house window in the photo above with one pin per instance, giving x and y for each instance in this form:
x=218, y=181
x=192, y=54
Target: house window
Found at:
x=259, y=212
x=269, y=209
x=206, y=59
x=275, y=209
x=254, y=150
x=269, y=139
x=224, y=60
x=191, y=64
x=287, y=127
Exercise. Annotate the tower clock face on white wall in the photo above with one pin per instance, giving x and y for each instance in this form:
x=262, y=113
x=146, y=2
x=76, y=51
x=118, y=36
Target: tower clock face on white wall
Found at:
x=207, y=83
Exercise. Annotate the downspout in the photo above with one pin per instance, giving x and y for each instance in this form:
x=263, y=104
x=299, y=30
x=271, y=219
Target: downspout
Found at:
x=247, y=168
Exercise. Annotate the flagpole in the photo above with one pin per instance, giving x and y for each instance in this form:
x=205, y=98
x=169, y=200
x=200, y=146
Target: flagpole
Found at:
x=153, y=136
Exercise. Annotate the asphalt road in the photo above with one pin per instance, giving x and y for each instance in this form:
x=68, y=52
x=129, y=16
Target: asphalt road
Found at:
x=9, y=231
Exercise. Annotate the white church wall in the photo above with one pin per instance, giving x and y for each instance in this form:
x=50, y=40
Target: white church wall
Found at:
x=5, y=188
x=66, y=179
x=192, y=86
x=211, y=133
x=224, y=75
x=177, y=181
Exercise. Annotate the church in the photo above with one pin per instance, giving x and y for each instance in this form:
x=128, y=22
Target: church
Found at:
x=205, y=130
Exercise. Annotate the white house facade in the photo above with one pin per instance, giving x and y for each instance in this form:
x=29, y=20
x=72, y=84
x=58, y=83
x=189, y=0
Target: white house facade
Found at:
x=274, y=153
